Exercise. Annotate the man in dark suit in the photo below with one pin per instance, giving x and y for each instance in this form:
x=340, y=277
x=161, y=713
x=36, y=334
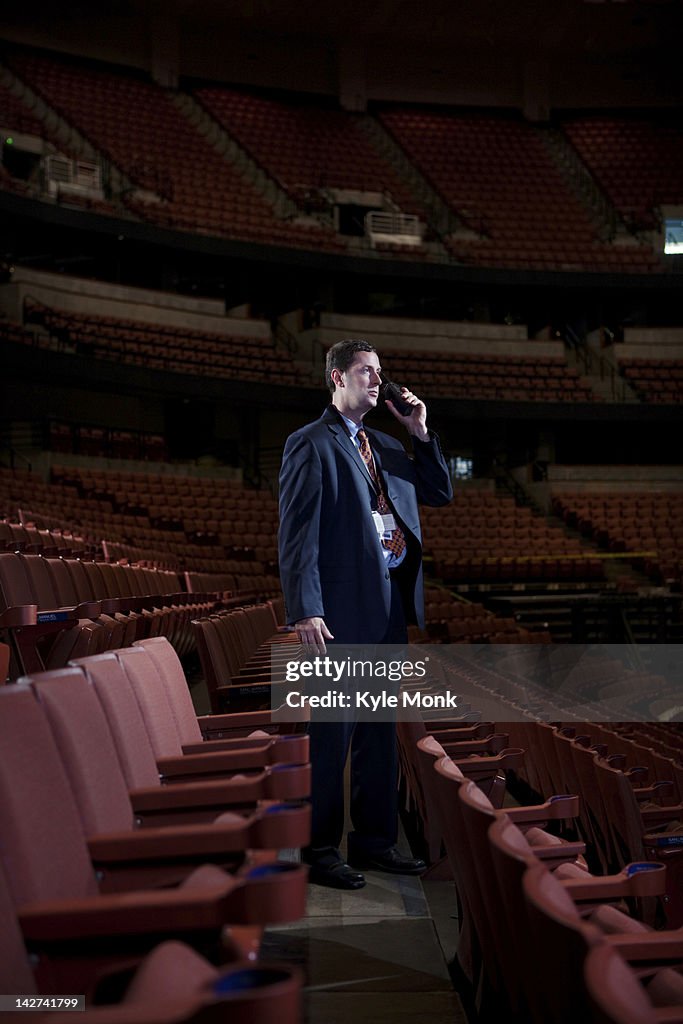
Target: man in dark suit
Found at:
x=350, y=565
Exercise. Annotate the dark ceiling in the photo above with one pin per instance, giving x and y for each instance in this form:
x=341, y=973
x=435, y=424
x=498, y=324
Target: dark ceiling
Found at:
x=539, y=27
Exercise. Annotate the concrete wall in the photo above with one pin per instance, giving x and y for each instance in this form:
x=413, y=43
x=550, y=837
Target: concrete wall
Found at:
x=612, y=479
x=81, y=295
x=650, y=343
x=388, y=333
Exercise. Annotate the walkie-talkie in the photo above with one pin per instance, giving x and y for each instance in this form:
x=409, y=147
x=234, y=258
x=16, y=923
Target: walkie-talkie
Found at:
x=392, y=392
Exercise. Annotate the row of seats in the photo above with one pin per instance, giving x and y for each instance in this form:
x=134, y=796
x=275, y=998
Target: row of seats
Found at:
x=59, y=608
x=454, y=621
x=239, y=649
x=105, y=442
x=646, y=523
x=28, y=538
x=465, y=376
x=197, y=525
x=654, y=380
x=468, y=836
x=485, y=537
x=201, y=491
x=161, y=347
x=131, y=846
x=588, y=678
x=482, y=376
x=535, y=911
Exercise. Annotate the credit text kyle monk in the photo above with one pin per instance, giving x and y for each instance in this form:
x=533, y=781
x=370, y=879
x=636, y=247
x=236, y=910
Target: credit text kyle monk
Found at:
x=371, y=701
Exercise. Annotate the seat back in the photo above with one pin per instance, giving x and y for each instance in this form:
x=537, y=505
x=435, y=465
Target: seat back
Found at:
x=215, y=666
x=153, y=702
x=101, y=581
x=593, y=815
x=170, y=671
x=40, y=581
x=477, y=814
x=85, y=744
x=15, y=971
x=81, y=580
x=4, y=663
x=129, y=732
x=63, y=583
x=15, y=589
x=615, y=993
x=559, y=941
x=43, y=849
x=622, y=813
x=427, y=751
x=448, y=781
x=548, y=766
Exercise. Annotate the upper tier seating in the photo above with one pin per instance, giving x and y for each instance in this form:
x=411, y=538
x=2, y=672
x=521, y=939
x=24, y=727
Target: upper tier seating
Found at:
x=15, y=115
x=200, y=353
x=637, y=162
x=495, y=171
x=306, y=145
x=498, y=176
x=162, y=347
x=478, y=376
x=137, y=126
x=654, y=380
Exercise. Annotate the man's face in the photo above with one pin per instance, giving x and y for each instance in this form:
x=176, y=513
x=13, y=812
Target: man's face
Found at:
x=359, y=385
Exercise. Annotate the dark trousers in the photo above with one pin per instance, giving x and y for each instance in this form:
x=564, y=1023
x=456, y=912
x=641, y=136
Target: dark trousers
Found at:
x=374, y=775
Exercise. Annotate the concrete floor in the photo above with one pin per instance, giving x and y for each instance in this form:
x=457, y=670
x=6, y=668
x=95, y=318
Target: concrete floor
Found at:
x=375, y=955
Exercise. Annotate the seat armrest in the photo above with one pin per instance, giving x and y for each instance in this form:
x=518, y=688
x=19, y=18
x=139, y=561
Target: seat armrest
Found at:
x=287, y=782
x=136, y=913
x=19, y=615
x=636, y=880
x=483, y=767
x=659, y=815
x=274, y=828
x=658, y=789
x=649, y=946
x=216, y=793
x=564, y=853
x=556, y=808
x=89, y=610
x=57, y=615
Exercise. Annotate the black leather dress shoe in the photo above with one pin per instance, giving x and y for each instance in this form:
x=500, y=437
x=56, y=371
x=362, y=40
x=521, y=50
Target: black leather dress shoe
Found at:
x=336, y=876
x=391, y=861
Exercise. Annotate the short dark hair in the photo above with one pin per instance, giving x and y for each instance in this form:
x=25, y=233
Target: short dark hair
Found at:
x=341, y=355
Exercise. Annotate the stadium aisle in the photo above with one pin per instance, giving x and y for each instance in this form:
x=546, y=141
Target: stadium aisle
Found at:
x=375, y=955
x=378, y=955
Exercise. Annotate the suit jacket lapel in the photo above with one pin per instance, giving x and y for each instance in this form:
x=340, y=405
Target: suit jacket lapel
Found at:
x=336, y=427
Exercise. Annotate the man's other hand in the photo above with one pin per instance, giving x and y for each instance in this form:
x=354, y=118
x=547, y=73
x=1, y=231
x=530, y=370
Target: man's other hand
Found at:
x=313, y=633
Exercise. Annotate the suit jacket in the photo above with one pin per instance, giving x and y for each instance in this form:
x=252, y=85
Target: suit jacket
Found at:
x=331, y=562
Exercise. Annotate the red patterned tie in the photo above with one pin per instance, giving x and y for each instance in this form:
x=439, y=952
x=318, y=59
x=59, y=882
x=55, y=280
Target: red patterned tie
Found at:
x=396, y=543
